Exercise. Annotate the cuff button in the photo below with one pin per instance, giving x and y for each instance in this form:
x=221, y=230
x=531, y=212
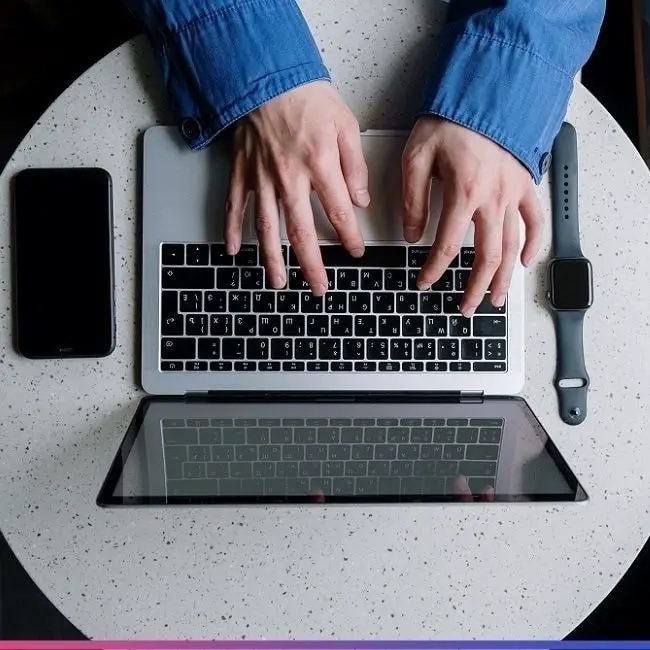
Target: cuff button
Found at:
x=190, y=128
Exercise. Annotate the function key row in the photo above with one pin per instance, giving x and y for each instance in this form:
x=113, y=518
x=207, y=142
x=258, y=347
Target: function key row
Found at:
x=198, y=423
x=333, y=366
x=333, y=256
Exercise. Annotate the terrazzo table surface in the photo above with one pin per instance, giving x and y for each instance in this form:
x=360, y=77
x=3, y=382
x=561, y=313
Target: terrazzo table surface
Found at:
x=453, y=571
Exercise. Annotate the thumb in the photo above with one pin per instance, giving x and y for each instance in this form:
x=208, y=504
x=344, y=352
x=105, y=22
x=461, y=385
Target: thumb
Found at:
x=353, y=166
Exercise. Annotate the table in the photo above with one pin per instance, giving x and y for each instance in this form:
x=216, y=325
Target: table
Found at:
x=456, y=571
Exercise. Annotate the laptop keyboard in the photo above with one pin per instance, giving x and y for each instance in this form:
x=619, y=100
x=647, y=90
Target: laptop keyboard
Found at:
x=329, y=456
x=218, y=314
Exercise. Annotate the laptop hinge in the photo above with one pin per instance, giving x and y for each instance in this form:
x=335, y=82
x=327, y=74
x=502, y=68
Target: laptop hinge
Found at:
x=471, y=397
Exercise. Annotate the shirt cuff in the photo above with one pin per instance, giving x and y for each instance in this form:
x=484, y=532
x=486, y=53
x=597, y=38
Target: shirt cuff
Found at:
x=223, y=64
x=502, y=90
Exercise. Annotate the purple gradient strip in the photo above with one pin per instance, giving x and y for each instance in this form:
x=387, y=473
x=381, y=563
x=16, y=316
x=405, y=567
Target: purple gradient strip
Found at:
x=324, y=645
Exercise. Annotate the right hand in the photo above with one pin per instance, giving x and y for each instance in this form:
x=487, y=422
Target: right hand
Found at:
x=306, y=139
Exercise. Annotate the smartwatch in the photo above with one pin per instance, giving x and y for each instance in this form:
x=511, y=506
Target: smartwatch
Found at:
x=570, y=280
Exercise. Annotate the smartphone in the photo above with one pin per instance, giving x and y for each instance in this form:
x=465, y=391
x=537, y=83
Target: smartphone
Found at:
x=63, y=263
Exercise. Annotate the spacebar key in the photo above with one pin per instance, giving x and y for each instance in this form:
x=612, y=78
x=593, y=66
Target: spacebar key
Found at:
x=374, y=256
x=187, y=278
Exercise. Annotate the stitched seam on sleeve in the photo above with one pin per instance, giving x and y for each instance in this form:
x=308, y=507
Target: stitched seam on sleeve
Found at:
x=501, y=41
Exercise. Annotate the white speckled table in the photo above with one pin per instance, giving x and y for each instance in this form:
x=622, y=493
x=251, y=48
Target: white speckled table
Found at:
x=439, y=572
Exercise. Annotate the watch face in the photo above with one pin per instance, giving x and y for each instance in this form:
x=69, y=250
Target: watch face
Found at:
x=571, y=284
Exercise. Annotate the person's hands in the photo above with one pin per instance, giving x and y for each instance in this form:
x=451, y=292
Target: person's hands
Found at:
x=306, y=139
x=481, y=182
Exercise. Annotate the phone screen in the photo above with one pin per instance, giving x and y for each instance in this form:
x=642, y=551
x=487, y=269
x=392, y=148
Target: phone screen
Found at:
x=63, y=260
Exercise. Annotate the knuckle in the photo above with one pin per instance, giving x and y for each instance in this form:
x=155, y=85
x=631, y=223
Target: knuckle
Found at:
x=339, y=217
x=319, y=161
x=298, y=234
x=490, y=259
x=264, y=224
x=449, y=249
x=413, y=157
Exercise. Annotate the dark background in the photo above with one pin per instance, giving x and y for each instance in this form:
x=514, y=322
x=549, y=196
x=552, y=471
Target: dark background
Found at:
x=44, y=46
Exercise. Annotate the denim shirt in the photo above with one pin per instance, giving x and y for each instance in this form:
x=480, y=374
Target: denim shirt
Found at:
x=505, y=67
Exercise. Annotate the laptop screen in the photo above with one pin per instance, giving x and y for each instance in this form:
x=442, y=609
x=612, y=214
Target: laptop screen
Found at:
x=180, y=451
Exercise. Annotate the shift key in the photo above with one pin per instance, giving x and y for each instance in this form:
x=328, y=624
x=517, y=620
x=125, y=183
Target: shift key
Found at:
x=187, y=278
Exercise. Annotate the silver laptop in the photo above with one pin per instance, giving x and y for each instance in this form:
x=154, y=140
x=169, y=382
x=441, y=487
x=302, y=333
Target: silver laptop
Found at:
x=376, y=392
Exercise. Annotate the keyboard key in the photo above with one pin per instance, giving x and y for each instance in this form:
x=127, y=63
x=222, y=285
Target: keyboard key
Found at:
x=445, y=283
x=196, y=324
x=367, y=486
x=451, y=303
x=316, y=452
x=293, y=325
x=306, y=348
x=467, y=435
x=293, y=452
x=436, y=326
x=196, y=366
x=177, y=348
x=171, y=325
x=412, y=326
x=417, y=255
x=228, y=278
x=334, y=468
x=171, y=366
x=329, y=349
x=354, y=349
x=343, y=486
x=436, y=366
x=378, y=468
x=293, y=366
x=482, y=452
x=318, y=325
x=490, y=435
x=270, y=325
x=359, y=302
x=257, y=349
x=187, y=278
x=320, y=486
x=485, y=422
x=297, y=281
x=372, y=280
x=217, y=470
x=365, y=366
x=400, y=349
x=223, y=453
x=173, y=254
x=339, y=452
x=431, y=452
x=421, y=434
x=269, y=366
x=239, y=301
x=389, y=486
x=383, y=303
x=263, y=302
x=193, y=470
x=407, y=303
x=471, y=349
x=385, y=452
x=197, y=254
x=388, y=366
x=252, y=279
x=247, y=255
x=363, y=452
x=448, y=349
x=245, y=366
x=495, y=349
x=430, y=303
x=287, y=469
x=232, y=348
x=467, y=257
x=347, y=279
x=304, y=435
x=191, y=301
x=374, y=256
x=281, y=348
x=355, y=468
x=263, y=470
x=215, y=301
x=288, y=302
x=221, y=366
x=447, y=468
x=219, y=257
x=477, y=468
x=486, y=307
x=328, y=435
x=311, y=304
x=408, y=452
x=424, y=467
x=374, y=435
x=433, y=422
x=269, y=452
x=395, y=280
x=401, y=468
x=245, y=452
x=489, y=326
x=398, y=434
x=221, y=325
x=424, y=349
x=241, y=470
x=209, y=349
x=453, y=452
x=389, y=326
x=351, y=435
x=462, y=278
x=341, y=326
x=444, y=434
x=490, y=366
x=460, y=326
x=336, y=302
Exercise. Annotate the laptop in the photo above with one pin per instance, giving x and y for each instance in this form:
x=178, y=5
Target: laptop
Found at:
x=375, y=392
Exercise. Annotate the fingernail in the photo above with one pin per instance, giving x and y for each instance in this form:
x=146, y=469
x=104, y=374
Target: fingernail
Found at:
x=412, y=233
x=499, y=300
x=319, y=289
x=423, y=286
x=231, y=249
x=358, y=252
x=468, y=312
x=362, y=197
x=278, y=281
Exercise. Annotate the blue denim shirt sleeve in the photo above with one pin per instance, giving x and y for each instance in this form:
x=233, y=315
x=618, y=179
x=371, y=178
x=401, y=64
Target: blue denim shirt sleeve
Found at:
x=506, y=69
x=221, y=59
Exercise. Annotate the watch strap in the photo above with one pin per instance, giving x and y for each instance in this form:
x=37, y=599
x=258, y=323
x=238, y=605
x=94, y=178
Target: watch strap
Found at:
x=564, y=179
x=571, y=366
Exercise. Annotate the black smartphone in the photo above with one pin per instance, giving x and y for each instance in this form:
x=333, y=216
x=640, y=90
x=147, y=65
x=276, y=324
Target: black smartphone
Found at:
x=63, y=263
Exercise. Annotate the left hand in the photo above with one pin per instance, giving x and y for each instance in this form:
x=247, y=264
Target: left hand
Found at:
x=481, y=182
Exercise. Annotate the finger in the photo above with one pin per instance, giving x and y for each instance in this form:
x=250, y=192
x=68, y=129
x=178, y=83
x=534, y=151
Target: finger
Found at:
x=417, y=164
x=487, y=494
x=302, y=235
x=267, y=225
x=353, y=165
x=236, y=203
x=335, y=198
x=461, y=489
x=510, y=248
x=488, y=237
x=533, y=216
x=454, y=220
